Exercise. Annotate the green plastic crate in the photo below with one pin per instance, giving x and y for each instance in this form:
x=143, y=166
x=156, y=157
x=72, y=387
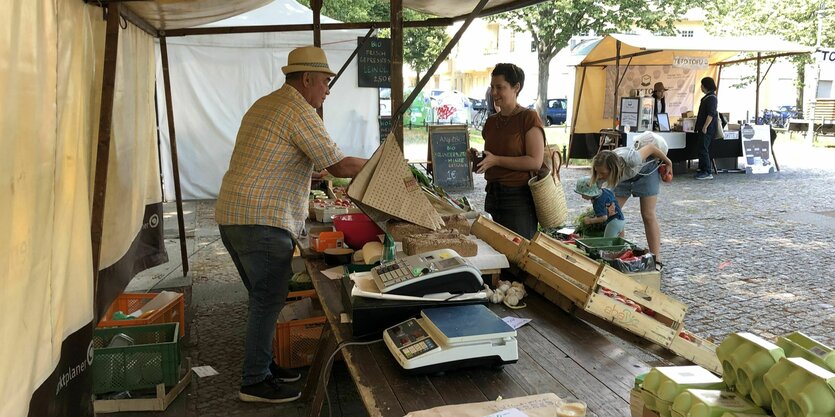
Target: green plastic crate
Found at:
x=154, y=358
x=594, y=245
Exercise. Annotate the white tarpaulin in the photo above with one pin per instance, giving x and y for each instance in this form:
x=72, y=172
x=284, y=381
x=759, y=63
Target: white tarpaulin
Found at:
x=216, y=78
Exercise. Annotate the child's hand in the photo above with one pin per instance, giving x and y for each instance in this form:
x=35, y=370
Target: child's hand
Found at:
x=586, y=220
x=611, y=209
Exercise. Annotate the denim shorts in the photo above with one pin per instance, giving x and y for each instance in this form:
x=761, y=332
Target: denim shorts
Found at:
x=646, y=184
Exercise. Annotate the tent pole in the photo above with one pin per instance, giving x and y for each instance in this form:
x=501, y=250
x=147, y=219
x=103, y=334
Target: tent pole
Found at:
x=172, y=140
x=574, y=118
x=616, y=82
x=351, y=58
x=441, y=57
x=397, y=68
x=316, y=5
x=108, y=82
x=757, y=103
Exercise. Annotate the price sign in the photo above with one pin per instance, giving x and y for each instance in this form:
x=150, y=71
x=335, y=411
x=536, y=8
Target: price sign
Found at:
x=449, y=147
x=374, y=63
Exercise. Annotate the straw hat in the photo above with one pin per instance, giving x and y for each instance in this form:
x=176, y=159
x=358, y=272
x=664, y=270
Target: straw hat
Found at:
x=307, y=58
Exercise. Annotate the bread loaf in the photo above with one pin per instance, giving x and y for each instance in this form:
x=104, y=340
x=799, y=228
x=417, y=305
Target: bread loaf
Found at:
x=399, y=229
x=441, y=239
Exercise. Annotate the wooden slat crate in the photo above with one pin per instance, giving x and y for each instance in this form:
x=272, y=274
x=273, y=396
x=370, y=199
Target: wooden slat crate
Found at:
x=696, y=350
x=660, y=327
x=557, y=266
x=501, y=238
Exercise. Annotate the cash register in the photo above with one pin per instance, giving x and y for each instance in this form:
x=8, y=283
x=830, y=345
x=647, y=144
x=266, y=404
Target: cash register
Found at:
x=439, y=271
x=447, y=338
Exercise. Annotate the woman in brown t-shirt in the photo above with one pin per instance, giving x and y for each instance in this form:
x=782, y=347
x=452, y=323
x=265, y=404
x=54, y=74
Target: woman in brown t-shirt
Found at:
x=514, y=146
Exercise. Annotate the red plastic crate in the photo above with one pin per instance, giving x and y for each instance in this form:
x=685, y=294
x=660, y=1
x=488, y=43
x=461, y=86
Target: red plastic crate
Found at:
x=127, y=303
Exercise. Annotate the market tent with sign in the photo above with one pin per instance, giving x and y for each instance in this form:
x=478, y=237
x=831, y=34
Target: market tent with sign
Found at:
x=642, y=60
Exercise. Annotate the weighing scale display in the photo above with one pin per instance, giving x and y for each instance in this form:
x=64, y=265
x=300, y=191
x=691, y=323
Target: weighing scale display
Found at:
x=411, y=339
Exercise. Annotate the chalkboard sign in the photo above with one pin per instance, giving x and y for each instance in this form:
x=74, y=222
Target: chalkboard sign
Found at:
x=385, y=127
x=374, y=60
x=448, y=149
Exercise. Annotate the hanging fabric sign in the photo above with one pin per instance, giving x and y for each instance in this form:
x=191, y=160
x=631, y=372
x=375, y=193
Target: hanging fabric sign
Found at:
x=691, y=62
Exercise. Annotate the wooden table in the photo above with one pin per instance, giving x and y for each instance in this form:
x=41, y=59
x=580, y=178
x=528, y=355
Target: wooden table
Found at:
x=558, y=353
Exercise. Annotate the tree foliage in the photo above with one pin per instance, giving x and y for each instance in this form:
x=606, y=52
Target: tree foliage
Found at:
x=553, y=23
x=420, y=45
x=792, y=21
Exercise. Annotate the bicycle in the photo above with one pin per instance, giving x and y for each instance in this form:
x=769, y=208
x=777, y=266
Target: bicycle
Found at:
x=479, y=119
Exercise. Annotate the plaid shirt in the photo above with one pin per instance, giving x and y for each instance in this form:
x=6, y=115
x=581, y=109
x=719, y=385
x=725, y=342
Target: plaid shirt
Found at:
x=280, y=142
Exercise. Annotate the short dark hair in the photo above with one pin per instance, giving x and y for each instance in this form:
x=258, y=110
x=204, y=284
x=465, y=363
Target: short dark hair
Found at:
x=709, y=84
x=511, y=73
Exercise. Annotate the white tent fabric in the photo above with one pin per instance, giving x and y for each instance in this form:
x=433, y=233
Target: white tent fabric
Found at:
x=216, y=78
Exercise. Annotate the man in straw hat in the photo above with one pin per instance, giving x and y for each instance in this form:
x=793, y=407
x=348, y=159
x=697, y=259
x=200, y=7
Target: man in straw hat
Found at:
x=262, y=206
x=658, y=91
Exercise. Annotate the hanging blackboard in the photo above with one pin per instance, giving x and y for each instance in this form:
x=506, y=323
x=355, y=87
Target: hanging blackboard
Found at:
x=374, y=59
x=385, y=127
x=448, y=149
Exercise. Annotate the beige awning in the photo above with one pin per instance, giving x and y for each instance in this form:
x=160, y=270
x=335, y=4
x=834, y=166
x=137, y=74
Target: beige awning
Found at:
x=180, y=14
x=659, y=50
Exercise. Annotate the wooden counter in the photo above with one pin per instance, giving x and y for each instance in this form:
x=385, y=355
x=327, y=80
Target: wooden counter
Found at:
x=558, y=353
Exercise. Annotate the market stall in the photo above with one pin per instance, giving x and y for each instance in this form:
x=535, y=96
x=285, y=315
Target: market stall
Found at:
x=629, y=65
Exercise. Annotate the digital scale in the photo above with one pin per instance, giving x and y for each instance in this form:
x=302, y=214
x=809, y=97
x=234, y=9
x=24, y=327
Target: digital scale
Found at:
x=439, y=271
x=447, y=338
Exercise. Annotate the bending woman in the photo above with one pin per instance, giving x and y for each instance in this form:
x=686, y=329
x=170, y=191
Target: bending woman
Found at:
x=514, y=147
x=634, y=172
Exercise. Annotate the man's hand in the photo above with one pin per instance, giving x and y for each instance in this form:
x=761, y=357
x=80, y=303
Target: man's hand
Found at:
x=319, y=175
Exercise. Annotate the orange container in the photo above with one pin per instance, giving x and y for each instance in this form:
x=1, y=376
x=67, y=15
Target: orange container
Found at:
x=324, y=240
x=127, y=303
x=296, y=341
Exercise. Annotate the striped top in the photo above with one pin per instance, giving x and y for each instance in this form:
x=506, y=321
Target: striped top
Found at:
x=280, y=143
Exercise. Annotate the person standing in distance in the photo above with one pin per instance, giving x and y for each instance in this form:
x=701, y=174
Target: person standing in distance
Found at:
x=262, y=206
x=707, y=123
x=659, y=93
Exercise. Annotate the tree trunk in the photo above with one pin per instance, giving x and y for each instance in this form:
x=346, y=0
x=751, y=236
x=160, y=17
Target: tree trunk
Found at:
x=542, y=89
x=800, y=84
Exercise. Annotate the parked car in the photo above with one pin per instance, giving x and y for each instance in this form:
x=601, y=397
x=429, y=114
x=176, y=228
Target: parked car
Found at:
x=555, y=111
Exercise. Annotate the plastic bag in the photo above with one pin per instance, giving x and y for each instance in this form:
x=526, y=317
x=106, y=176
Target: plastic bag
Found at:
x=630, y=260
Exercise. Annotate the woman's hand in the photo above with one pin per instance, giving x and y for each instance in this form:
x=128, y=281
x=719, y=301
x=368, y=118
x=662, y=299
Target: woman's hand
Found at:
x=473, y=154
x=668, y=163
x=488, y=162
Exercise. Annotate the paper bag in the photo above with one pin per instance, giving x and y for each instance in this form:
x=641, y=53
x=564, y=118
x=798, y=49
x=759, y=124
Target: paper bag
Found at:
x=385, y=187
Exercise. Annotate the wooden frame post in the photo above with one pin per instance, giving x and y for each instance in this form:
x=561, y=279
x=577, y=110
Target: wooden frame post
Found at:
x=175, y=166
x=397, y=68
x=574, y=118
x=108, y=84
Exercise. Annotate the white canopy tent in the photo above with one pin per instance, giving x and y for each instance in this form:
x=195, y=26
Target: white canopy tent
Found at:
x=215, y=78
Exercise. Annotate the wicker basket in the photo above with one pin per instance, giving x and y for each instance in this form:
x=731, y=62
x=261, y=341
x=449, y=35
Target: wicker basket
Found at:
x=549, y=200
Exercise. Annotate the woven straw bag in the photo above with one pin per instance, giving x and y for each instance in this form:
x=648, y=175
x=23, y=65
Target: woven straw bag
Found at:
x=548, y=194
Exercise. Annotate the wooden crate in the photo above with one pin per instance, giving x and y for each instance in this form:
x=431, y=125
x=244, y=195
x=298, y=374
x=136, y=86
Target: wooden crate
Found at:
x=501, y=238
x=561, y=268
x=699, y=351
x=660, y=328
x=650, y=278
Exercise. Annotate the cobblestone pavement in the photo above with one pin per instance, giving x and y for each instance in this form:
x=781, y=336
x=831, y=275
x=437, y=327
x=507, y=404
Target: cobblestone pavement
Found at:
x=744, y=252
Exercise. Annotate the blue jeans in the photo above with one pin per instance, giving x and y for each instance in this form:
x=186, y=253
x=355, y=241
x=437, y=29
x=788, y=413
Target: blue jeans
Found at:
x=512, y=207
x=262, y=255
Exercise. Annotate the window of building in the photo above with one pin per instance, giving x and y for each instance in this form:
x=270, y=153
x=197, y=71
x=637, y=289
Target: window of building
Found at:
x=492, y=44
x=685, y=33
x=512, y=41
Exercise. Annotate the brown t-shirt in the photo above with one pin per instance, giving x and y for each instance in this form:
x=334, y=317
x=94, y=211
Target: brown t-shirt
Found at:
x=506, y=137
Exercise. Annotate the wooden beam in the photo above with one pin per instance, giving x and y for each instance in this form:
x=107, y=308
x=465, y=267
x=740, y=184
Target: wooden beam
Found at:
x=316, y=6
x=574, y=119
x=108, y=82
x=175, y=166
x=300, y=27
x=738, y=61
x=139, y=22
x=397, y=68
x=601, y=61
